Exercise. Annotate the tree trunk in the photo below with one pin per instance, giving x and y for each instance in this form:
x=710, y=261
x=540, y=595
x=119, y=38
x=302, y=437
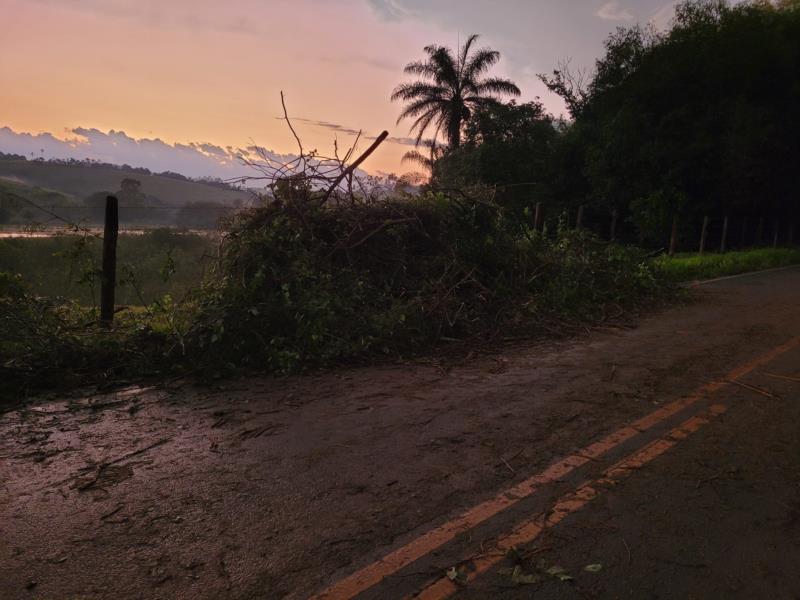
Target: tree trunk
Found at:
x=614, y=217
x=454, y=131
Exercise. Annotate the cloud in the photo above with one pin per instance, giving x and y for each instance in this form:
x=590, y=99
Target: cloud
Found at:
x=388, y=10
x=663, y=16
x=403, y=141
x=327, y=125
x=193, y=159
x=161, y=15
x=612, y=11
x=369, y=61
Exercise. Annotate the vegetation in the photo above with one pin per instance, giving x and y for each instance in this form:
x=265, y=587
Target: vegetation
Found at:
x=703, y=119
x=688, y=267
x=300, y=285
x=18, y=203
x=80, y=179
x=76, y=192
x=308, y=286
x=32, y=207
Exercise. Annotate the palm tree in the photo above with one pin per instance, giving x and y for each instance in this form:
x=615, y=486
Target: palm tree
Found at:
x=449, y=89
x=416, y=157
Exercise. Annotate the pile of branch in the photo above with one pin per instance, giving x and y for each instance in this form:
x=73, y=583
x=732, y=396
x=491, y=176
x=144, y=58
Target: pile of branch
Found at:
x=327, y=178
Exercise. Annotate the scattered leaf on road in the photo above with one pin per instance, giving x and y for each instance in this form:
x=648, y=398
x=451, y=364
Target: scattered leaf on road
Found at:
x=559, y=573
x=521, y=577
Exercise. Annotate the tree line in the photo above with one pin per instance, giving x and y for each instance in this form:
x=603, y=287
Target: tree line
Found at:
x=701, y=120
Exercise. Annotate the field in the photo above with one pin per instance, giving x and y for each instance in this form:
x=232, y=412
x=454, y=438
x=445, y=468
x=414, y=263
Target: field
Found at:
x=149, y=265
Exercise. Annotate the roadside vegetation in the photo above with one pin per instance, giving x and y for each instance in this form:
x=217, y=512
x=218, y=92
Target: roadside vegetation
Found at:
x=302, y=286
x=689, y=267
x=150, y=264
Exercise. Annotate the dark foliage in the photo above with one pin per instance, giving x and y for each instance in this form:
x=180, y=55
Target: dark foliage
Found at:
x=305, y=286
x=701, y=120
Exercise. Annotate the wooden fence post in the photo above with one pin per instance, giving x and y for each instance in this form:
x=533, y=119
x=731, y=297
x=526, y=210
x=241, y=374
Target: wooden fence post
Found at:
x=614, y=217
x=673, y=238
x=703, y=235
x=759, y=231
x=776, y=227
x=109, y=276
x=579, y=219
x=724, y=234
x=537, y=219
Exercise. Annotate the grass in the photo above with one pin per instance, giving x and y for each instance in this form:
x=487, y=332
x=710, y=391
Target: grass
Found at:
x=689, y=267
x=149, y=265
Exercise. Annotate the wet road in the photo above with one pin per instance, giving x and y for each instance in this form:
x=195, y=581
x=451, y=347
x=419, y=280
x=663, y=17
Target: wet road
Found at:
x=266, y=488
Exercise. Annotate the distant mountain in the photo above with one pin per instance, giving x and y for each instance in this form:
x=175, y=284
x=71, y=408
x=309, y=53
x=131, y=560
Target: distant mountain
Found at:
x=81, y=180
x=76, y=192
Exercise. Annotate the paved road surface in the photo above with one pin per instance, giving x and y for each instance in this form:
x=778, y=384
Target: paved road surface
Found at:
x=667, y=454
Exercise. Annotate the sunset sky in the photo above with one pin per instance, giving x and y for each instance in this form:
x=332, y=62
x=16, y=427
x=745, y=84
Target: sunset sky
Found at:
x=209, y=73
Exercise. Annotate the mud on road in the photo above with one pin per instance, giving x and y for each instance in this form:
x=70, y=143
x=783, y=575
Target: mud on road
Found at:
x=273, y=488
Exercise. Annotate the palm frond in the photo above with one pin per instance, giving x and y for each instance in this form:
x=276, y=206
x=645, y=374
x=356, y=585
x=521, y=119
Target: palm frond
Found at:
x=480, y=62
x=445, y=66
x=495, y=85
x=462, y=62
x=421, y=68
x=417, y=89
x=418, y=158
x=421, y=124
x=420, y=106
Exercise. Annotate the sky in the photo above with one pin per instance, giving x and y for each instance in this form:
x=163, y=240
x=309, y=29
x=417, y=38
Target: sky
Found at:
x=186, y=85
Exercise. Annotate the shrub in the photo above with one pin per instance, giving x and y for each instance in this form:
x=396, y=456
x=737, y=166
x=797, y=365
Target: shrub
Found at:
x=305, y=285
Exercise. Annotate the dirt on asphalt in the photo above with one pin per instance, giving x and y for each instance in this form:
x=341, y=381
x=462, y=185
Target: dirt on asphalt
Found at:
x=276, y=488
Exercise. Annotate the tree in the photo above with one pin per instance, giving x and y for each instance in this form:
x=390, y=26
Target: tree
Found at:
x=505, y=145
x=130, y=185
x=700, y=120
x=450, y=88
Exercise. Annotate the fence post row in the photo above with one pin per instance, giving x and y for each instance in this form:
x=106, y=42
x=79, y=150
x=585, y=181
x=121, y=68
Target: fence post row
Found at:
x=109, y=276
x=745, y=239
x=703, y=235
x=614, y=216
x=724, y=234
x=673, y=238
x=537, y=219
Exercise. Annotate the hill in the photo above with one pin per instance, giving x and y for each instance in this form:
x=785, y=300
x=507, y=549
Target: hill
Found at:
x=82, y=180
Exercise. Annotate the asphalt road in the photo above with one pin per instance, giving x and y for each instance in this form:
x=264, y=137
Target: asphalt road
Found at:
x=656, y=461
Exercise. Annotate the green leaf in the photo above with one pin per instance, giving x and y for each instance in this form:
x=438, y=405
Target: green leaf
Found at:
x=559, y=573
x=519, y=576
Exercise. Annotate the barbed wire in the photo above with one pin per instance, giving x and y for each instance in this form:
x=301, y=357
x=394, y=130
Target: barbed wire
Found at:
x=72, y=224
x=149, y=207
